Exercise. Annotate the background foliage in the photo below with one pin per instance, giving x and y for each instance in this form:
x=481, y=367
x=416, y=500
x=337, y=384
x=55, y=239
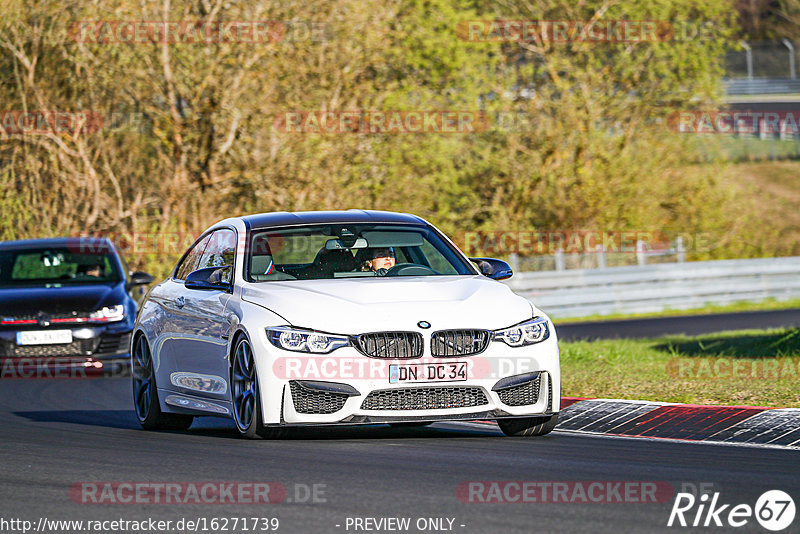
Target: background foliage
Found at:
x=189, y=136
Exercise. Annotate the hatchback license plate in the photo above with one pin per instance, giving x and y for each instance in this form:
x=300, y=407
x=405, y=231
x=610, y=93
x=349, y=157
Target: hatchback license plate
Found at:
x=428, y=372
x=44, y=337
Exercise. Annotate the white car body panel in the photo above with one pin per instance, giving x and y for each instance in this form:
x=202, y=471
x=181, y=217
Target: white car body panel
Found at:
x=337, y=306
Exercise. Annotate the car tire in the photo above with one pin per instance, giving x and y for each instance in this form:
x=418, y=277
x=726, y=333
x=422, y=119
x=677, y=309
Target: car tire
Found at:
x=145, y=393
x=245, y=395
x=528, y=426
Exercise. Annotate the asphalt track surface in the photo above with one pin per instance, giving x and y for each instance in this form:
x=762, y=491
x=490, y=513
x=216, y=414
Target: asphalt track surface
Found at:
x=691, y=325
x=56, y=433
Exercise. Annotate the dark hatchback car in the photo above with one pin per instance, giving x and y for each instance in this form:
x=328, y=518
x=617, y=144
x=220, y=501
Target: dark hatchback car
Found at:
x=67, y=297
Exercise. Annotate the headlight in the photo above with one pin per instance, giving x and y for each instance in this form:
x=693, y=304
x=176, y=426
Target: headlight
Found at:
x=108, y=314
x=527, y=333
x=299, y=340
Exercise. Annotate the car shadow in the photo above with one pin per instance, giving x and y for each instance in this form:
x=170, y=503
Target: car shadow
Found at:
x=224, y=428
x=371, y=432
x=767, y=345
x=106, y=418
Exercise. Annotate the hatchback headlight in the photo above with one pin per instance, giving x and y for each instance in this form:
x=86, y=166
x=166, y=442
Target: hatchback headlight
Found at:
x=527, y=333
x=108, y=314
x=299, y=340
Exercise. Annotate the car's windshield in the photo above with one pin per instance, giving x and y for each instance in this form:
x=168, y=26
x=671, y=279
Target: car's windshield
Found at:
x=351, y=251
x=55, y=265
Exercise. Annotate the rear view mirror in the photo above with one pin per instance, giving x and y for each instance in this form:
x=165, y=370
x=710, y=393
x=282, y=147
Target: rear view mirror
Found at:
x=209, y=278
x=493, y=268
x=336, y=244
x=140, y=278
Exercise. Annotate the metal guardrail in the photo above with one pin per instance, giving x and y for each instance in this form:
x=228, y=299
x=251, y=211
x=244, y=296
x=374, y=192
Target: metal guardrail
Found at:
x=761, y=86
x=656, y=287
x=644, y=254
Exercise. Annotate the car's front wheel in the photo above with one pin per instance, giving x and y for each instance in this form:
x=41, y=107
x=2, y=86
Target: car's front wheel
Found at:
x=145, y=394
x=245, y=395
x=528, y=426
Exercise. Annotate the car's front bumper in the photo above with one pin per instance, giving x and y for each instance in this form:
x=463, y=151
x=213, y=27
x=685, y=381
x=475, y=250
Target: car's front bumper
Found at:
x=288, y=396
x=105, y=347
x=356, y=409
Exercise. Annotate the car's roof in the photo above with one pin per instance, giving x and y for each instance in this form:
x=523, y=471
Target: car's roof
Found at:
x=94, y=244
x=286, y=218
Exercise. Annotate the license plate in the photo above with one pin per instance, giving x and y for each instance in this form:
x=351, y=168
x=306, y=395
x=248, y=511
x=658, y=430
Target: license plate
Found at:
x=44, y=337
x=428, y=372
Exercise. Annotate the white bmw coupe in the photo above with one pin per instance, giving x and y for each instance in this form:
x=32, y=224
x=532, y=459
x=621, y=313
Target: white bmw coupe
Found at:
x=349, y=317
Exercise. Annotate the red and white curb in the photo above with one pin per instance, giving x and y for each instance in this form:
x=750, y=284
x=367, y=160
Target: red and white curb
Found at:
x=753, y=425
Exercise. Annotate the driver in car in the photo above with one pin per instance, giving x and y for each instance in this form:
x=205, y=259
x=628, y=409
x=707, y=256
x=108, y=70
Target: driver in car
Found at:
x=379, y=258
x=95, y=271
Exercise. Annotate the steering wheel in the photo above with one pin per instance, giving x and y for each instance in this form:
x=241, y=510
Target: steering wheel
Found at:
x=407, y=269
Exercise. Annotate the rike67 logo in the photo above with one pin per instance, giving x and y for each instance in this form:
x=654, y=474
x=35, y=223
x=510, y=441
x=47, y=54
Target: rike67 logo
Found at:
x=774, y=510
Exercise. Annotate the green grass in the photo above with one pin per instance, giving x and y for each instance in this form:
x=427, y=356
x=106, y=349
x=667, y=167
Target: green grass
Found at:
x=747, y=367
x=754, y=149
x=768, y=304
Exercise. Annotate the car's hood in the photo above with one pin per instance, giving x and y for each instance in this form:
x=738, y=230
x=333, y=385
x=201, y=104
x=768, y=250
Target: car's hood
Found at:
x=64, y=299
x=354, y=306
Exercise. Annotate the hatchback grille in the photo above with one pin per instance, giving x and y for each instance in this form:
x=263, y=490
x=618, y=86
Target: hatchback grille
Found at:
x=459, y=342
x=390, y=344
x=521, y=395
x=427, y=398
x=312, y=401
x=82, y=347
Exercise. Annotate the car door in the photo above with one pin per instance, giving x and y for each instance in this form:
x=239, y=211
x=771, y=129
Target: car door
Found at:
x=170, y=298
x=201, y=346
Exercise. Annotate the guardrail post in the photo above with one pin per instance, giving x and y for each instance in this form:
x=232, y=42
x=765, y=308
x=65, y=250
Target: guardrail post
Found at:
x=513, y=259
x=792, y=72
x=559, y=257
x=749, y=55
x=796, y=136
x=680, y=249
x=641, y=253
x=601, y=257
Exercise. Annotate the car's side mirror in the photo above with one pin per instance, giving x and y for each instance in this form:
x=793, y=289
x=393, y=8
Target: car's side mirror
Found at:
x=209, y=278
x=140, y=278
x=493, y=268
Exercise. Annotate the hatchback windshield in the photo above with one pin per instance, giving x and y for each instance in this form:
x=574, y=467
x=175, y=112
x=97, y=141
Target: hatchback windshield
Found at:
x=55, y=265
x=351, y=251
